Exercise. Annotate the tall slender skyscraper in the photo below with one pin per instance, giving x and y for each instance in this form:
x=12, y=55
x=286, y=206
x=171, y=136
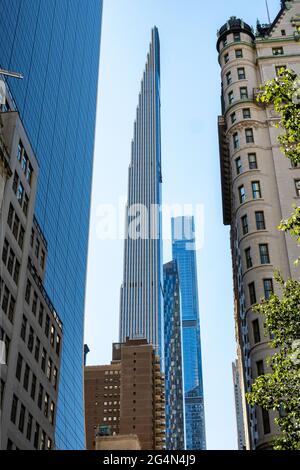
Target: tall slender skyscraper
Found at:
x=141, y=313
x=184, y=252
x=55, y=45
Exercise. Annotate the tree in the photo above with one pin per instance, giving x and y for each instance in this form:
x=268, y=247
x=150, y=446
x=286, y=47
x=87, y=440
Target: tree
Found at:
x=280, y=390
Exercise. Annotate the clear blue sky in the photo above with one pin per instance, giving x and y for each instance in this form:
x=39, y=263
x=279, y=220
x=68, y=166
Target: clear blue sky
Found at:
x=190, y=95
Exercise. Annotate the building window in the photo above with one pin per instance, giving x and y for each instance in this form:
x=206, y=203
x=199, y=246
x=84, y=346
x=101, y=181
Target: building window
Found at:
x=43, y=441
x=33, y=387
x=52, y=412
x=46, y=405
x=297, y=186
x=283, y=32
x=248, y=257
x=268, y=288
x=252, y=161
x=256, y=191
x=226, y=58
x=26, y=377
x=266, y=421
x=5, y=300
x=230, y=97
x=252, y=293
x=49, y=369
x=260, y=220
x=249, y=136
x=233, y=118
x=36, y=436
x=256, y=331
x=16, y=225
x=238, y=53
x=279, y=69
x=238, y=165
x=246, y=113
x=41, y=314
x=43, y=363
x=29, y=427
x=37, y=349
x=245, y=226
x=43, y=257
x=21, y=237
x=22, y=418
x=241, y=73
x=10, y=216
x=225, y=42
x=19, y=367
x=40, y=396
x=236, y=37
x=229, y=78
x=277, y=50
x=24, y=328
x=52, y=335
x=260, y=368
x=244, y=93
x=11, y=309
x=236, y=140
x=58, y=345
x=28, y=291
x=14, y=408
x=264, y=253
x=54, y=379
x=34, y=303
x=47, y=325
x=242, y=194
x=30, y=339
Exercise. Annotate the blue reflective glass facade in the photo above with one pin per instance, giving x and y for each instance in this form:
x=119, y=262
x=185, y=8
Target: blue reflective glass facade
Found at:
x=55, y=45
x=174, y=392
x=183, y=248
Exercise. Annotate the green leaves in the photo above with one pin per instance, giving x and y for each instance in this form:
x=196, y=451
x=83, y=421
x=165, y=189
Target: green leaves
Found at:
x=283, y=92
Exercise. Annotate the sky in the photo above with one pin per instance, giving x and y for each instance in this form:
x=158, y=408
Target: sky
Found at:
x=190, y=105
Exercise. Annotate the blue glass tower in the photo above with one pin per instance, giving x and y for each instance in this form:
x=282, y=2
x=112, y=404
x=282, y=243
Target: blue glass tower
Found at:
x=141, y=305
x=55, y=45
x=174, y=392
x=184, y=252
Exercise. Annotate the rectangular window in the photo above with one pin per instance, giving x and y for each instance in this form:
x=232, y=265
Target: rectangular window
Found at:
x=30, y=339
x=10, y=216
x=37, y=349
x=233, y=118
x=21, y=237
x=260, y=220
x=249, y=136
x=245, y=226
x=33, y=387
x=19, y=367
x=14, y=409
x=238, y=53
x=20, y=193
x=16, y=225
x=260, y=368
x=246, y=113
x=17, y=271
x=58, y=345
x=28, y=291
x=54, y=379
x=25, y=205
x=29, y=427
x=11, y=261
x=277, y=50
x=40, y=396
x=43, y=256
x=238, y=165
x=279, y=69
x=52, y=412
x=248, y=258
x=34, y=303
x=297, y=186
x=5, y=300
x=226, y=58
x=49, y=369
x=236, y=37
x=11, y=309
x=244, y=93
x=264, y=253
x=268, y=288
x=5, y=251
x=43, y=440
x=22, y=418
x=228, y=78
x=47, y=325
x=230, y=97
x=26, y=377
x=241, y=73
x=252, y=293
x=242, y=194
x=41, y=314
x=36, y=436
x=236, y=140
x=43, y=363
x=252, y=161
x=266, y=421
x=256, y=331
x=46, y=405
x=256, y=191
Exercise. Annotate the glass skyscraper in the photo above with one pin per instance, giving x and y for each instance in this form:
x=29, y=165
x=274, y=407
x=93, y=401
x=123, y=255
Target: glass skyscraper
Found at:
x=55, y=45
x=141, y=305
x=184, y=252
x=174, y=392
